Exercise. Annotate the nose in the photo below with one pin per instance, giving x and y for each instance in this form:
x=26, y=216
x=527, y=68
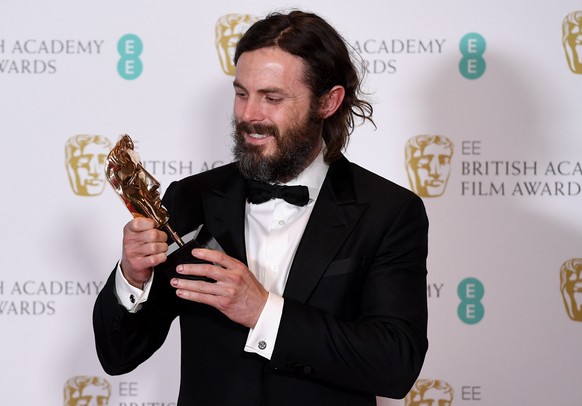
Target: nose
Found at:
x=250, y=110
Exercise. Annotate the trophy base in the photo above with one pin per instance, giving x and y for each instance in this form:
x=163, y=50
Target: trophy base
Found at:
x=200, y=238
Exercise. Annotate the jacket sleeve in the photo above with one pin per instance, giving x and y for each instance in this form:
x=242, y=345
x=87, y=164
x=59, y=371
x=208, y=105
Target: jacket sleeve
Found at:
x=124, y=340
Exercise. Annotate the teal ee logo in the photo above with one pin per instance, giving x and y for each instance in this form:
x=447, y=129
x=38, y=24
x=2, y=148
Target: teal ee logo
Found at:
x=472, y=65
x=130, y=48
x=471, y=292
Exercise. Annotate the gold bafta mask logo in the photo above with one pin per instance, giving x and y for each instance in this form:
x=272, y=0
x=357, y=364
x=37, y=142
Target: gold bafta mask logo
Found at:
x=428, y=164
x=87, y=391
x=430, y=392
x=229, y=29
x=571, y=287
x=85, y=160
x=572, y=40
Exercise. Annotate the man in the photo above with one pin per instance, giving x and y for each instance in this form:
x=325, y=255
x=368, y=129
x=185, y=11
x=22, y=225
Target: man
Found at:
x=321, y=303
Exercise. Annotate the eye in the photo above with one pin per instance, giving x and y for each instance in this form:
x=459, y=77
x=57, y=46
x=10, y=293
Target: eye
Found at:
x=239, y=92
x=273, y=99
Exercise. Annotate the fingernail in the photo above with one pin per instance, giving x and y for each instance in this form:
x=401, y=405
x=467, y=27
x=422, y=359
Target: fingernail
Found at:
x=180, y=268
x=174, y=282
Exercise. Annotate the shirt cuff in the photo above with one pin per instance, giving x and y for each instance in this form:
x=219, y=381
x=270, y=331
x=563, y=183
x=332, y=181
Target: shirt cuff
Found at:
x=261, y=339
x=129, y=296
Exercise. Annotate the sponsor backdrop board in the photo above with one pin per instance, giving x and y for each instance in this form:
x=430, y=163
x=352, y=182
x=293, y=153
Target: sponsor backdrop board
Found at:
x=477, y=106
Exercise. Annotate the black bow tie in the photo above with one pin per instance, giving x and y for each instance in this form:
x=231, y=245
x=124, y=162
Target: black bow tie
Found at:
x=260, y=192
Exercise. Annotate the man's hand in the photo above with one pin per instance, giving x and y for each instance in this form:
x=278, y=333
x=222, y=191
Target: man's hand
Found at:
x=144, y=247
x=236, y=293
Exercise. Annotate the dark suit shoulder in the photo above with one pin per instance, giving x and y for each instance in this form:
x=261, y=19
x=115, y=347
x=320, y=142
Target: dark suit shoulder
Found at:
x=366, y=186
x=380, y=184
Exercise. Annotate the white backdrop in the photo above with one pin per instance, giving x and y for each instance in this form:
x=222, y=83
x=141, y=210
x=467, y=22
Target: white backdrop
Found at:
x=499, y=330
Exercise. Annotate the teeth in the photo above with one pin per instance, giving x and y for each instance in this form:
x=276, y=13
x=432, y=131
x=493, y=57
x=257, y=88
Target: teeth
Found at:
x=258, y=136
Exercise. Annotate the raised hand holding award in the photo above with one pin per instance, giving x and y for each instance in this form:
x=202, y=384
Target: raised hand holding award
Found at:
x=139, y=191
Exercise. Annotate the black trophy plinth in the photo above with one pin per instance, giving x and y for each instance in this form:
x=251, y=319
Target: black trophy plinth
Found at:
x=199, y=238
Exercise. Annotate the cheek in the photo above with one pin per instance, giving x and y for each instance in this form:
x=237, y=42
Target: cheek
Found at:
x=236, y=111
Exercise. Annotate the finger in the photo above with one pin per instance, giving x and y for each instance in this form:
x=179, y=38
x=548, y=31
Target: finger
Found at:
x=144, y=237
x=212, y=272
x=140, y=224
x=147, y=262
x=197, y=286
x=204, y=298
x=216, y=257
x=150, y=248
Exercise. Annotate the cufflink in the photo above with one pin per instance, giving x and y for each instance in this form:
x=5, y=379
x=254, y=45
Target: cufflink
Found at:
x=262, y=345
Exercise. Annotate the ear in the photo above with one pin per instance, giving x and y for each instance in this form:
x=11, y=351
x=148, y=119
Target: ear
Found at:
x=331, y=101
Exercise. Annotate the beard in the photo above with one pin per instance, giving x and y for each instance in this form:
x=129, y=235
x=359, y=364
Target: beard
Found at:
x=296, y=148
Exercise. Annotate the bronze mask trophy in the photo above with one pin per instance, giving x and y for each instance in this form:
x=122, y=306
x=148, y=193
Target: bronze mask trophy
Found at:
x=139, y=190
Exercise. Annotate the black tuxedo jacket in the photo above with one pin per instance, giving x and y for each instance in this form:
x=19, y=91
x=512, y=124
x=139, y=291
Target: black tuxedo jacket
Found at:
x=355, y=315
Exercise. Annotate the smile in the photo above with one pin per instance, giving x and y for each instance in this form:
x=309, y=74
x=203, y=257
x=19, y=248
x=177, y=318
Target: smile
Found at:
x=258, y=136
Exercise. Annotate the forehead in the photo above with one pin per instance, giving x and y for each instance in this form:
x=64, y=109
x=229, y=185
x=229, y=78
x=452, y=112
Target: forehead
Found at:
x=270, y=68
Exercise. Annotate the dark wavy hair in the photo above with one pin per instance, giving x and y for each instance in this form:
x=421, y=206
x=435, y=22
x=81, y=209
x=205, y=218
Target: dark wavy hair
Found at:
x=327, y=63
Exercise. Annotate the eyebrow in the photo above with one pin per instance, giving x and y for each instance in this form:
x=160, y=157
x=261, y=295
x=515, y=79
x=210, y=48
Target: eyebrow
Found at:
x=263, y=91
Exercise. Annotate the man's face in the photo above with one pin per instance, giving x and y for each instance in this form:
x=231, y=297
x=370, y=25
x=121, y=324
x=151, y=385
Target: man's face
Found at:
x=86, y=169
x=277, y=132
x=431, y=167
x=433, y=397
x=91, y=395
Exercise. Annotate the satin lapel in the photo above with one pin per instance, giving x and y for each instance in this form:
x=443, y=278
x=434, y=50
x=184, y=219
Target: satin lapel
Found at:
x=334, y=216
x=224, y=208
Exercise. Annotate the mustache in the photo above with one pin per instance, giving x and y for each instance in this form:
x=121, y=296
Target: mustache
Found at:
x=262, y=129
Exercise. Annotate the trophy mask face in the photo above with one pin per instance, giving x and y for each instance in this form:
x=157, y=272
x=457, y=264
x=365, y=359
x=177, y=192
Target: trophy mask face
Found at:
x=151, y=188
x=86, y=155
x=433, y=397
x=572, y=40
x=428, y=165
x=87, y=391
x=571, y=287
x=136, y=186
x=430, y=393
x=92, y=395
x=228, y=31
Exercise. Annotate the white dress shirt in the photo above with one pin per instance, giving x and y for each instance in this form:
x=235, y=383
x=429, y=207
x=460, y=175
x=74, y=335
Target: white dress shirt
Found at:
x=272, y=233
